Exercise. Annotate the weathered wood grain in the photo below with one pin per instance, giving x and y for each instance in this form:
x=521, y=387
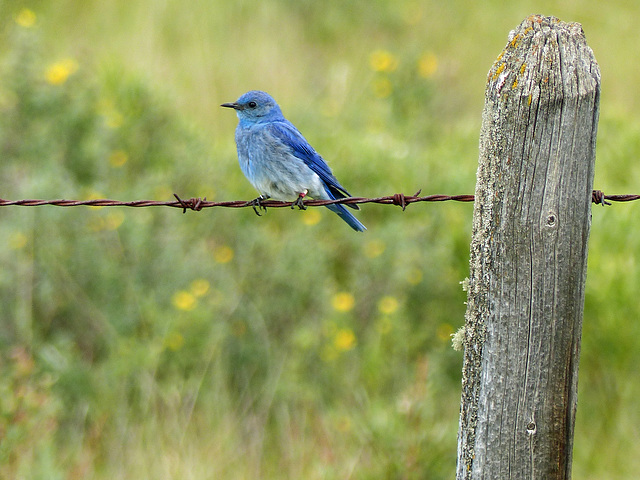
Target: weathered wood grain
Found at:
x=529, y=255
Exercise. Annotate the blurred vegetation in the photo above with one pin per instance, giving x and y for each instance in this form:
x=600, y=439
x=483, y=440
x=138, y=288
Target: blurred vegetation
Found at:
x=146, y=343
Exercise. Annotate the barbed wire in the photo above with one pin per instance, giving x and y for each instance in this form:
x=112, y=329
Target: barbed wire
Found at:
x=197, y=204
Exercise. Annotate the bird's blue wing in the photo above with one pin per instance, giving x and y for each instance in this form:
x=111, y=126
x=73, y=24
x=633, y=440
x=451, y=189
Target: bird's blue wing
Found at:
x=288, y=134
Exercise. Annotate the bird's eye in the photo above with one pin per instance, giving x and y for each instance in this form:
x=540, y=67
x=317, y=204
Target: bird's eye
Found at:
x=252, y=104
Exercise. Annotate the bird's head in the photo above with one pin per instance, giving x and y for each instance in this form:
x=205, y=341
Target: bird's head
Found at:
x=255, y=107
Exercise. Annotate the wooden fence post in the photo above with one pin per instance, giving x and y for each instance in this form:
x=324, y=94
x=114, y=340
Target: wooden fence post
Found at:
x=531, y=224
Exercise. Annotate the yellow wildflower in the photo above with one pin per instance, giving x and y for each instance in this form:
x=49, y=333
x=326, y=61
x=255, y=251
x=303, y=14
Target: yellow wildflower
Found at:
x=94, y=195
x=388, y=305
x=174, y=341
x=114, y=220
x=311, y=217
x=374, y=248
x=112, y=117
x=383, y=61
x=58, y=72
x=199, y=287
x=344, y=340
x=184, y=300
x=26, y=18
x=118, y=158
x=427, y=65
x=17, y=241
x=343, y=301
x=223, y=254
x=328, y=353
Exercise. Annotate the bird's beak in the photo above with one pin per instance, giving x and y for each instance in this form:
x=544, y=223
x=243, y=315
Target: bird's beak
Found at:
x=235, y=106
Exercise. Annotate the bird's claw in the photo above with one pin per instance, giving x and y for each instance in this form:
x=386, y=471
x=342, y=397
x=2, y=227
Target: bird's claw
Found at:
x=300, y=202
x=256, y=203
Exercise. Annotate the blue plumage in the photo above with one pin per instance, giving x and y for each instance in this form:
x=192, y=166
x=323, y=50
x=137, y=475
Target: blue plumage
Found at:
x=278, y=160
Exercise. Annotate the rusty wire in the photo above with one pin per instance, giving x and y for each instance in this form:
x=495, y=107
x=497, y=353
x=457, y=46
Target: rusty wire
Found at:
x=196, y=204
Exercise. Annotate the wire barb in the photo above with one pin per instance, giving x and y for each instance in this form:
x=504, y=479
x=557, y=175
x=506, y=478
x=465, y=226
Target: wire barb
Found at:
x=598, y=197
x=194, y=204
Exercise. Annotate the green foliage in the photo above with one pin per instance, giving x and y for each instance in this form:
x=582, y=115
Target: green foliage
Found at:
x=146, y=343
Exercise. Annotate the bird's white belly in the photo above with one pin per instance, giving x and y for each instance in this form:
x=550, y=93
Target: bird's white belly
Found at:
x=274, y=171
x=275, y=186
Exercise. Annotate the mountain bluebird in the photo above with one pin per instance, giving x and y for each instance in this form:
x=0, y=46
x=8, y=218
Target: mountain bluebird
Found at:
x=278, y=160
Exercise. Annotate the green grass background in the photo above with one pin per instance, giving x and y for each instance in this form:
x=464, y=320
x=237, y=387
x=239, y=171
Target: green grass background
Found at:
x=143, y=343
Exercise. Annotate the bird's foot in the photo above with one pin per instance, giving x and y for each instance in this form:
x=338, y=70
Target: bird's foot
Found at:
x=256, y=203
x=194, y=204
x=300, y=201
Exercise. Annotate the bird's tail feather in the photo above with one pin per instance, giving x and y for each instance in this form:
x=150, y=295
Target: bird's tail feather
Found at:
x=347, y=217
x=335, y=193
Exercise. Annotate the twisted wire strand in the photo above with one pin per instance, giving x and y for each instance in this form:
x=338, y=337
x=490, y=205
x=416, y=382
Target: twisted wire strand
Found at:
x=399, y=199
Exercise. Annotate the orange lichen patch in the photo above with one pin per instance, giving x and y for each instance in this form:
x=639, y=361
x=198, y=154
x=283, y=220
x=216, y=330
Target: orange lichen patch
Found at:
x=498, y=71
x=523, y=68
